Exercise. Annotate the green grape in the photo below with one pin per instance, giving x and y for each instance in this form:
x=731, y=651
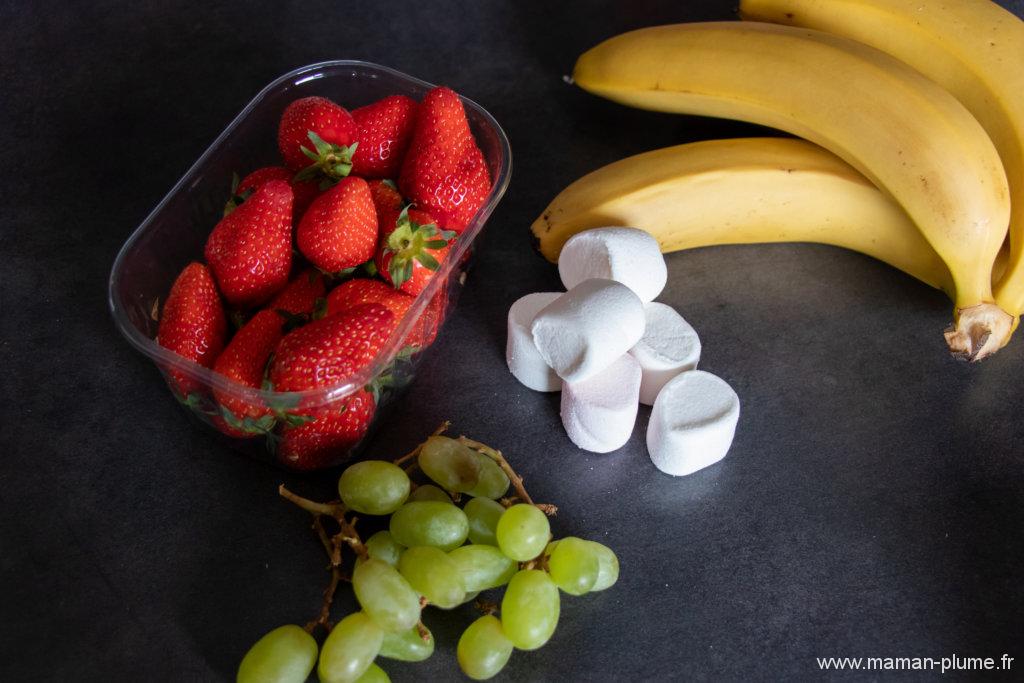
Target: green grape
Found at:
x=493, y=482
x=435, y=575
x=483, y=566
x=285, y=655
x=453, y=466
x=373, y=487
x=407, y=646
x=529, y=610
x=429, y=492
x=428, y=522
x=550, y=548
x=608, y=563
x=383, y=546
x=350, y=649
x=483, y=649
x=385, y=595
x=374, y=674
x=574, y=565
x=470, y=596
x=483, y=515
x=523, y=532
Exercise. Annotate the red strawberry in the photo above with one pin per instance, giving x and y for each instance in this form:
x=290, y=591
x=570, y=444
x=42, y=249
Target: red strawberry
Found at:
x=386, y=199
x=245, y=361
x=411, y=250
x=330, y=352
x=299, y=297
x=326, y=440
x=316, y=136
x=363, y=291
x=385, y=128
x=339, y=230
x=250, y=250
x=433, y=316
x=193, y=324
x=304, y=192
x=444, y=171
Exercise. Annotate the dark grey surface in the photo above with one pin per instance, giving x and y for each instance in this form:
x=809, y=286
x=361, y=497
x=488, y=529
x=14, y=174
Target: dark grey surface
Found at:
x=870, y=505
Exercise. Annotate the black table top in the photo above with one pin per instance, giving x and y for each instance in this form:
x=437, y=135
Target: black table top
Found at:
x=871, y=504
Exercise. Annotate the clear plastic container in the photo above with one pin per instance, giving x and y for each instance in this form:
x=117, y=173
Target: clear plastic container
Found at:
x=175, y=232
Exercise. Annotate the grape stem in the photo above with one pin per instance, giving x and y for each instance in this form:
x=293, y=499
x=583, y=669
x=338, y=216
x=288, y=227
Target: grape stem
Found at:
x=486, y=606
x=347, y=535
x=414, y=453
x=335, y=510
x=517, y=481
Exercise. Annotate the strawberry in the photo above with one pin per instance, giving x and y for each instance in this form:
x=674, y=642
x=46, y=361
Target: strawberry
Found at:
x=385, y=128
x=339, y=230
x=364, y=291
x=317, y=137
x=332, y=432
x=361, y=291
x=250, y=249
x=330, y=352
x=193, y=324
x=244, y=361
x=386, y=200
x=433, y=316
x=411, y=250
x=444, y=171
x=301, y=294
x=304, y=192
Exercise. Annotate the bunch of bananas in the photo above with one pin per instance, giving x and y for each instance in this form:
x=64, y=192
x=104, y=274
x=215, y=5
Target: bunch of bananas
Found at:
x=912, y=114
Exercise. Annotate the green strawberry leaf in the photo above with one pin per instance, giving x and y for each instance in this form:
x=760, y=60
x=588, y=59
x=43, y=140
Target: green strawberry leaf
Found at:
x=291, y=320
x=319, y=308
x=283, y=403
x=293, y=420
x=428, y=261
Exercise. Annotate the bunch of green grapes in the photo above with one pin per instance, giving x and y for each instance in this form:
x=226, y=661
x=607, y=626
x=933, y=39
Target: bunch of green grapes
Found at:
x=436, y=553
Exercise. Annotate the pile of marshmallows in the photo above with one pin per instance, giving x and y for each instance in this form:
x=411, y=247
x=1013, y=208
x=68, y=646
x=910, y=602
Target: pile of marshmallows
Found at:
x=607, y=346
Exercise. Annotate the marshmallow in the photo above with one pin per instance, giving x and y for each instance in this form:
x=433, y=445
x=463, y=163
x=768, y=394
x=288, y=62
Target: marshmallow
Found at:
x=583, y=331
x=692, y=423
x=668, y=347
x=626, y=255
x=599, y=413
x=525, y=362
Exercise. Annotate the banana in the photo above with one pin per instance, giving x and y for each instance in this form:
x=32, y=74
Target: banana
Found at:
x=904, y=132
x=742, y=191
x=973, y=48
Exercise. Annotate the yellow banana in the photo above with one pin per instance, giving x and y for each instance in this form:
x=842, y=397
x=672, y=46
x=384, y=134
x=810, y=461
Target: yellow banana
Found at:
x=905, y=133
x=973, y=48
x=742, y=191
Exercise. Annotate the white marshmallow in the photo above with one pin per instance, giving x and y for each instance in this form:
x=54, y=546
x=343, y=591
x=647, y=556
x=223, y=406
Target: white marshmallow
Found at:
x=669, y=346
x=626, y=255
x=583, y=331
x=599, y=413
x=525, y=362
x=692, y=423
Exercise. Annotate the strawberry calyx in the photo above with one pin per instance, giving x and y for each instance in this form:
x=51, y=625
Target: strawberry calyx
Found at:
x=291, y=320
x=331, y=162
x=248, y=424
x=237, y=198
x=410, y=242
x=368, y=267
x=392, y=377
